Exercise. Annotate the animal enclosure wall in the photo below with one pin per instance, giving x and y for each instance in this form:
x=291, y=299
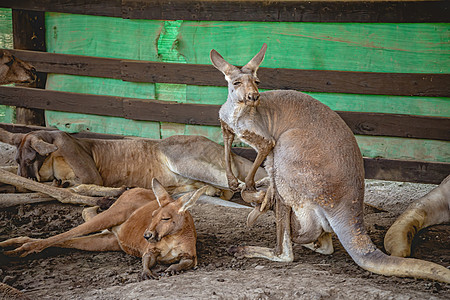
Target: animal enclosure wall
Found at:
x=387, y=74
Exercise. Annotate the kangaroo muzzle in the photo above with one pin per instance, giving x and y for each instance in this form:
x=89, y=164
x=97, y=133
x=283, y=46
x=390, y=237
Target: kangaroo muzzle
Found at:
x=252, y=99
x=150, y=236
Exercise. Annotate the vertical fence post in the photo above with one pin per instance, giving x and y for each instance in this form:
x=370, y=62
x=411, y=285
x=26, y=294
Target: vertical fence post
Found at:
x=29, y=34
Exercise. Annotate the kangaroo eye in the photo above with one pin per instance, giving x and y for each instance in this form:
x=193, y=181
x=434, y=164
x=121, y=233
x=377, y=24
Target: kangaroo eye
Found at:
x=257, y=82
x=165, y=219
x=236, y=83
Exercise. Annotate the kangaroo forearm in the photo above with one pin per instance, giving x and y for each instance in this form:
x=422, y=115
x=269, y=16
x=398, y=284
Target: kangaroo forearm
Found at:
x=148, y=261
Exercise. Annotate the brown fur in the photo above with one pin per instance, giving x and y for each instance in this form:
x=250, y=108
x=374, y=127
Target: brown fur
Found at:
x=431, y=209
x=181, y=163
x=143, y=223
x=315, y=168
x=14, y=70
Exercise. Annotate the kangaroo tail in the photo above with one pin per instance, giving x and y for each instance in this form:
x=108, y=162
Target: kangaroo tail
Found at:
x=353, y=237
x=431, y=209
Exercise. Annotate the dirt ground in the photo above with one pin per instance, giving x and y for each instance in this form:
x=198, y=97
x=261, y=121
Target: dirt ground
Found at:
x=72, y=274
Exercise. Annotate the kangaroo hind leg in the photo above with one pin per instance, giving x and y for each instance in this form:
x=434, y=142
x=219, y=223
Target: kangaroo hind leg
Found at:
x=283, y=251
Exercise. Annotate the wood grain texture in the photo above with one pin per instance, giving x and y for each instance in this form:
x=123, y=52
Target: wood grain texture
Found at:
x=248, y=10
x=434, y=85
x=201, y=114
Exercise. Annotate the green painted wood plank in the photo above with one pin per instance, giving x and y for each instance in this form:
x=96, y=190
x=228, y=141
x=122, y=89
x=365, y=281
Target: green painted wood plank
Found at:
x=71, y=122
x=100, y=86
x=6, y=41
x=6, y=36
x=400, y=148
x=405, y=48
x=102, y=36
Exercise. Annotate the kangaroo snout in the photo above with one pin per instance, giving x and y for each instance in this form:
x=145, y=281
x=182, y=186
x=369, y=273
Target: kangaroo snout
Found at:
x=150, y=236
x=252, y=99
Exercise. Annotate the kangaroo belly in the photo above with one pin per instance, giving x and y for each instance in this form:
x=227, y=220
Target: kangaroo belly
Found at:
x=318, y=171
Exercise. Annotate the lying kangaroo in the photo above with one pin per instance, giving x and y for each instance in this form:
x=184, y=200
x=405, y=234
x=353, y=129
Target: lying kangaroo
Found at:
x=14, y=70
x=180, y=163
x=316, y=172
x=431, y=209
x=141, y=223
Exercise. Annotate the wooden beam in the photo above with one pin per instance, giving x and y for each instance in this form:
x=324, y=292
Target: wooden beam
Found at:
x=62, y=101
x=370, y=83
x=29, y=34
x=406, y=170
x=374, y=124
x=170, y=111
x=375, y=168
x=250, y=10
x=408, y=126
x=109, y=8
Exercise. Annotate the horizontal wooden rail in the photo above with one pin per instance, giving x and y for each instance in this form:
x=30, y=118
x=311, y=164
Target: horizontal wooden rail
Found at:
x=249, y=10
x=375, y=124
x=375, y=168
x=271, y=78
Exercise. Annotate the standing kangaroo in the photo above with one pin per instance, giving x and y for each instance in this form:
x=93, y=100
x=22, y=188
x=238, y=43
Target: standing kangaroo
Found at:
x=315, y=168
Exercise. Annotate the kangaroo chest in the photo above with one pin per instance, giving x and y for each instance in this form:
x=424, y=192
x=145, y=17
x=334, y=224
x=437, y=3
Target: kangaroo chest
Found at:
x=245, y=122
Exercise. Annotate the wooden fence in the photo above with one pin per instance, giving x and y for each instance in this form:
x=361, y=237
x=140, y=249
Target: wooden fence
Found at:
x=29, y=43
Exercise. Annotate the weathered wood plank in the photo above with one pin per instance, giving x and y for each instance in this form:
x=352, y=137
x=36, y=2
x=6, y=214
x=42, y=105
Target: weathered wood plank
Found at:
x=71, y=64
x=62, y=101
x=168, y=111
x=383, y=169
x=405, y=170
x=435, y=85
x=433, y=128
x=111, y=8
x=248, y=10
x=287, y=11
x=201, y=114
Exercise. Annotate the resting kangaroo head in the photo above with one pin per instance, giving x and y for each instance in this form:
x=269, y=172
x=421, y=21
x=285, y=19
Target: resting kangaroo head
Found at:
x=14, y=70
x=32, y=150
x=170, y=217
x=242, y=82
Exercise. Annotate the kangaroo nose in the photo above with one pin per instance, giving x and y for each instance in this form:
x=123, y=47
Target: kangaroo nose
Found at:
x=253, y=96
x=148, y=235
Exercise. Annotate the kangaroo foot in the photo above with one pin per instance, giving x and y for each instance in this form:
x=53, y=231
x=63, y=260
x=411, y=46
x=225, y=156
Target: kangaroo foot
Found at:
x=260, y=252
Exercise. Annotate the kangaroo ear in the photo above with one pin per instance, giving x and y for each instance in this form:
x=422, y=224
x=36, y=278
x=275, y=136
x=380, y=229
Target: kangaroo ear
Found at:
x=162, y=196
x=11, y=138
x=188, y=200
x=253, y=64
x=42, y=147
x=221, y=64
